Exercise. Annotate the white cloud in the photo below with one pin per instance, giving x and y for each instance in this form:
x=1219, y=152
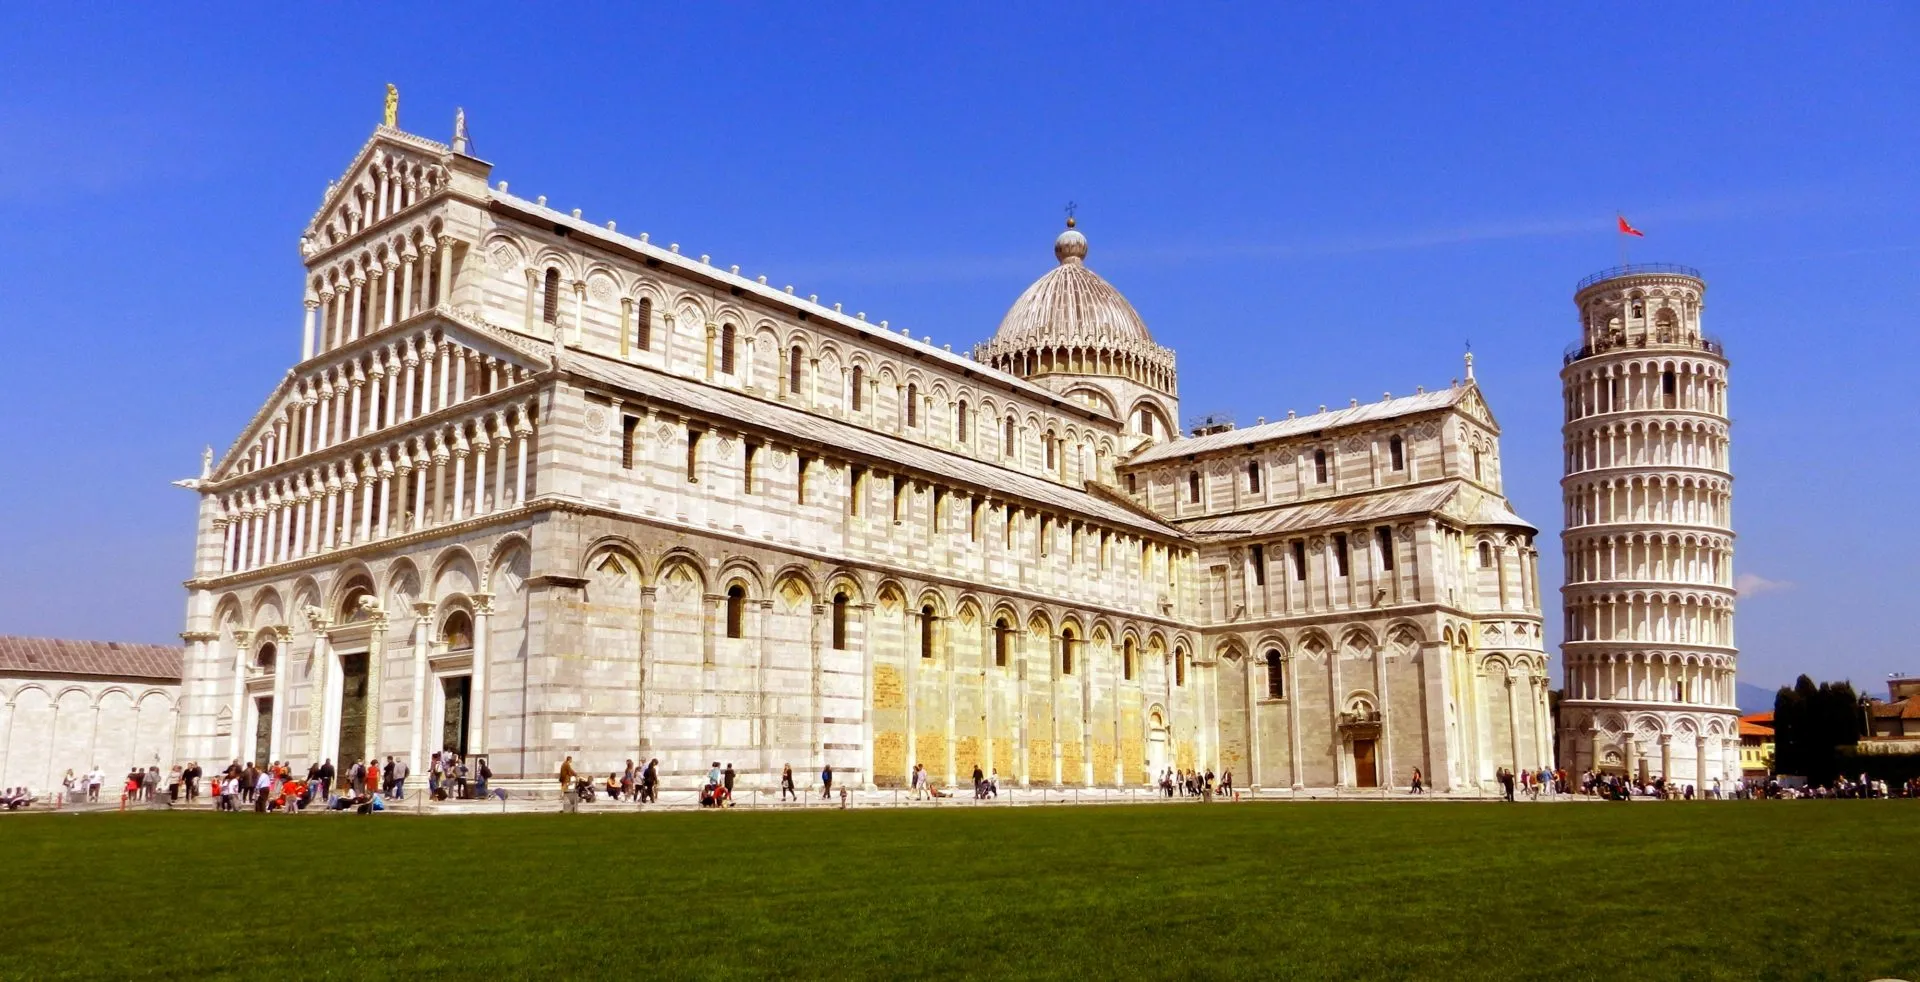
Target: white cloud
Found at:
x=1753, y=585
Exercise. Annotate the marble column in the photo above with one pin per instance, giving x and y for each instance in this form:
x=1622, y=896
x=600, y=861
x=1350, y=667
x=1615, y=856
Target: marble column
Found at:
x=477, y=724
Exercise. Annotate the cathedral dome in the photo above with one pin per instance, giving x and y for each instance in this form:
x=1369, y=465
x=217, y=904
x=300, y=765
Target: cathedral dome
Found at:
x=1071, y=304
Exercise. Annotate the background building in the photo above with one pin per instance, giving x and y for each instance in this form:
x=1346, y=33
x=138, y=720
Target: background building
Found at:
x=1649, y=648
x=1756, y=744
x=76, y=705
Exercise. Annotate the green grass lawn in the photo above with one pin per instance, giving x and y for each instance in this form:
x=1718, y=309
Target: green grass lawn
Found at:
x=1318, y=890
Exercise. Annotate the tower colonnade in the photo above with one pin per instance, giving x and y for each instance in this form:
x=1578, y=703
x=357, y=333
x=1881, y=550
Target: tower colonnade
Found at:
x=1648, y=600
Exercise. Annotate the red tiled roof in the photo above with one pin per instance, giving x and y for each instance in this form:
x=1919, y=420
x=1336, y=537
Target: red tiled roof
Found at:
x=1764, y=719
x=1908, y=708
x=1754, y=729
x=60, y=656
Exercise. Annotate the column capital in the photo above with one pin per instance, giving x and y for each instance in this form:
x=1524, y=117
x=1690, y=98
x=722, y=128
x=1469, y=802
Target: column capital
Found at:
x=482, y=603
x=199, y=637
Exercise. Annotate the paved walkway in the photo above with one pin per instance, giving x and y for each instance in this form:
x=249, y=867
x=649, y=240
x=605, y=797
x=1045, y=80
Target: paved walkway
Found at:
x=527, y=797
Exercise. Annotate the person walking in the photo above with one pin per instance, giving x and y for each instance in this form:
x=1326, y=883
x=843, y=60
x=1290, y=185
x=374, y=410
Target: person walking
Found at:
x=726, y=778
x=569, y=792
x=1418, y=786
x=979, y=782
x=786, y=783
x=400, y=772
x=826, y=781
x=650, y=781
x=326, y=777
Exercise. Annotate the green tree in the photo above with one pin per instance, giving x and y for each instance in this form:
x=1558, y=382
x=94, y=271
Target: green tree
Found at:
x=1811, y=723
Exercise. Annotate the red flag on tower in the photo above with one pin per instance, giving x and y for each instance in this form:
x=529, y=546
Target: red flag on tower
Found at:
x=1626, y=229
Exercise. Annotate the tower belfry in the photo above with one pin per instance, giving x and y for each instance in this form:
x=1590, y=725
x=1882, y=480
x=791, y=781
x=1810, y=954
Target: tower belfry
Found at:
x=1648, y=652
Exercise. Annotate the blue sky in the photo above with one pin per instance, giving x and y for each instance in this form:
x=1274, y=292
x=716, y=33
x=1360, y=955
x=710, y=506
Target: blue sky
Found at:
x=1308, y=207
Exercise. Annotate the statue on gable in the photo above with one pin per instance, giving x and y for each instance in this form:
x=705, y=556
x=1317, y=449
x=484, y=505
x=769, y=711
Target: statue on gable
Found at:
x=392, y=118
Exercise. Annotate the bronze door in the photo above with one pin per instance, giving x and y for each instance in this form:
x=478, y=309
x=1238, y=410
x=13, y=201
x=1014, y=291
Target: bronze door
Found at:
x=262, y=729
x=1365, y=774
x=353, y=709
x=453, y=733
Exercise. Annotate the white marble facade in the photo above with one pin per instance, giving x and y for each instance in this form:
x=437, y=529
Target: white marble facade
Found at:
x=1649, y=653
x=538, y=487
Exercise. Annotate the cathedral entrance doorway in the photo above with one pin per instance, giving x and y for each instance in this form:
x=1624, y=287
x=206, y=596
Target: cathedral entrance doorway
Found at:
x=1366, y=774
x=456, y=692
x=1156, y=752
x=353, y=709
x=263, y=730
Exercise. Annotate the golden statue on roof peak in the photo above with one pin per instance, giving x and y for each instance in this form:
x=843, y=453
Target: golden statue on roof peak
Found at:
x=392, y=118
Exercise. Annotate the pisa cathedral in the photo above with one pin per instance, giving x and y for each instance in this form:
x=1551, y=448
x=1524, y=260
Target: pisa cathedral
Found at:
x=537, y=487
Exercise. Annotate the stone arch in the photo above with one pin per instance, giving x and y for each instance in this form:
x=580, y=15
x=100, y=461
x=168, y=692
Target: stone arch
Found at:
x=683, y=564
x=402, y=587
x=1406, y=634
x=268, y=611
x=350, y=586
x=454, y=571
x=890, y=595
x=620, y=546
x=847, y=582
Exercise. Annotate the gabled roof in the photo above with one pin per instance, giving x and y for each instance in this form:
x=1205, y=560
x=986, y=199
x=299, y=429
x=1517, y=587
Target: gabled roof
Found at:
x=1467, y=397
x=383, y=137
x=755, y=413
x=484, y=337
x=111, y=659
x=1455, y=499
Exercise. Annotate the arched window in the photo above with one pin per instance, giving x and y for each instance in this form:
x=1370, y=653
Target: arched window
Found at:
x=1253, y=477
x=1486, y=556
x=1000, y=634
x=1126, y=660
x=1397, y=450
x=793, y=370
x=1193, y=486
x=926, y=631
x=960, y=422
x=457, y=630
x=859, y=387
x=1320, y=467
x=839, y=622
x=913, y=404
x=643, y=325
x=726, y=349
x=1146, y=423
x=265, y=658
x=736, y=611
x=1051, y=443
x=1276, y=676
x=1179, y=668
x=1006, y=443
x=550, y=297
x=1477, y=475
x=1066, y=651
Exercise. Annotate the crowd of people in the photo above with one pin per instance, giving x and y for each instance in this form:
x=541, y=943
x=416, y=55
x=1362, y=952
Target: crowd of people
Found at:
x=1196, y=784
x=369, y=786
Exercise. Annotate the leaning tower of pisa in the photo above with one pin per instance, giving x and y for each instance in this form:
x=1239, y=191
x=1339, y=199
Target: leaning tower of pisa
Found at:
x=1649, y=653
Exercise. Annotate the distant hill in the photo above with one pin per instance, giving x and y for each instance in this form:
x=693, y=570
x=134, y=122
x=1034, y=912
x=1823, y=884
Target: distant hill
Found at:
x=1753, y=698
